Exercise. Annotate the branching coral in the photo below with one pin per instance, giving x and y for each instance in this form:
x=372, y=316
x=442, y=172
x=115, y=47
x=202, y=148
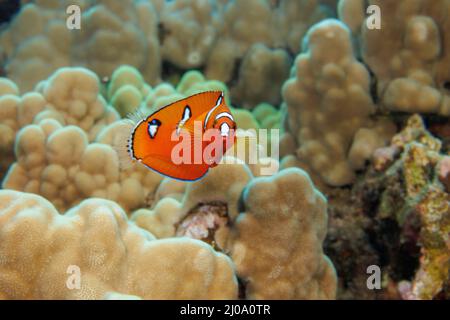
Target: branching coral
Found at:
x=115, y=259
x=294, y=18
x=412, y=69
x=329, y=106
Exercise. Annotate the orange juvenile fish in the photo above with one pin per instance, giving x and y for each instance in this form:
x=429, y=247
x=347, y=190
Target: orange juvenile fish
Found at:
x=184, y=139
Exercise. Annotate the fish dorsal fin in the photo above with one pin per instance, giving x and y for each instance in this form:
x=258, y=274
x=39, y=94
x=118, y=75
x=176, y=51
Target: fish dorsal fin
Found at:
x=198, y=104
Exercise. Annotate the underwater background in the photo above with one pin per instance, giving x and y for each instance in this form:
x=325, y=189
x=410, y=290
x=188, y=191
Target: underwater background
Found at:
x=356, y=205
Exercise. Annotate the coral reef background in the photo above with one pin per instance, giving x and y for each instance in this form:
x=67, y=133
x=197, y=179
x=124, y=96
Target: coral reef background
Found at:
x=362, y=177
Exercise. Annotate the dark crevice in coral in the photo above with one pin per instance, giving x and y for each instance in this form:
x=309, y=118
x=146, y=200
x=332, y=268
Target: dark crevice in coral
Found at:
x=386, y=232
x=407, y=262
x=171, y=72
x=347, y=244
x=373, y=82
x=235, y=73
x=444, y=294
x=9, y=8
x=370, y=199
x=274, y=4
x=400, y=119
x=3, y=59
x=199, y=218
x=446, y=85
x=162, y=33
x=378, y=225
x=439, y=127
x=242, y=289
x=401, y=255
x=241, y=203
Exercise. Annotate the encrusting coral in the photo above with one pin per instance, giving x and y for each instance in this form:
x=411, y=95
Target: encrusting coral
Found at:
x=328, y=107
x=412, y=68
x=416, y=197
x=394, y=216
x=41, y=248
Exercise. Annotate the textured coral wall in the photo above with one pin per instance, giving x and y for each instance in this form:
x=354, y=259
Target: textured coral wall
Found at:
x=361, y=177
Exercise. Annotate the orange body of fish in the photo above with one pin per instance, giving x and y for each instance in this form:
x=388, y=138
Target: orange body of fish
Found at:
x=184, y=139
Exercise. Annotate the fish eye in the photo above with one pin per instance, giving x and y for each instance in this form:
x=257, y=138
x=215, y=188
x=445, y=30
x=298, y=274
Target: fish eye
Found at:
x=153, y=127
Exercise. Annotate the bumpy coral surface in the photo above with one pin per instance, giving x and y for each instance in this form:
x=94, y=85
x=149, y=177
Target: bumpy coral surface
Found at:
x=40, y=250
x=329, y=104
x=59, y=163
x=210, y=211
x=38, y=40
x=147, y=34
x=71, y=96
x=286, y=262
x=331, y=174
x=412, y=67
